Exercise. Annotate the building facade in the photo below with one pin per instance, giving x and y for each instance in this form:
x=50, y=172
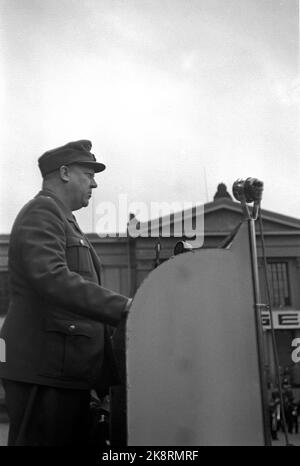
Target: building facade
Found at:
x=127, y=261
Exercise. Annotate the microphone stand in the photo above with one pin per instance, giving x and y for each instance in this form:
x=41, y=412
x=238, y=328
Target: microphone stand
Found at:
x=258, y=307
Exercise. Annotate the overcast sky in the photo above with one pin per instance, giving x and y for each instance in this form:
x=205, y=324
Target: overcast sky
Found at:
x=175, y=95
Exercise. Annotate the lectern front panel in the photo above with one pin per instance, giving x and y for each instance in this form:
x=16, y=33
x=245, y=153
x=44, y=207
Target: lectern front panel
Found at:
x=192, y=362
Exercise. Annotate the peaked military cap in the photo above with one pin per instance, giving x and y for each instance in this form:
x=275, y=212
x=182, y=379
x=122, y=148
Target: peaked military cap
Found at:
x=78, y=152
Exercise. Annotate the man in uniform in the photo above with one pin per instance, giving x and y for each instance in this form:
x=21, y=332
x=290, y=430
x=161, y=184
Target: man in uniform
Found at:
x=57, y=329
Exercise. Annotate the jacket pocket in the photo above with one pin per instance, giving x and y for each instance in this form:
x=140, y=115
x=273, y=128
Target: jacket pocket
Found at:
x=68, y=349
x=78, y=254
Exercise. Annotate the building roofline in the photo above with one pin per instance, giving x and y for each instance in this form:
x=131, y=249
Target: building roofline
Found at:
x=227, y=204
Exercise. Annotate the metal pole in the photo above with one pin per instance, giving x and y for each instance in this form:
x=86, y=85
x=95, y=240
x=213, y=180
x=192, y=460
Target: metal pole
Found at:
x=259, y=332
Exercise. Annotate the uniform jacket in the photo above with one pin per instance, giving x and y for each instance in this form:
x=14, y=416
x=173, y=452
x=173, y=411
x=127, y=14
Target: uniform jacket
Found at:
x=57, y=327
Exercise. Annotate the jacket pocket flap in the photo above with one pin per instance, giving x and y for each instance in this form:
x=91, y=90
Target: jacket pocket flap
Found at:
x=76, y=241
x=69, y=327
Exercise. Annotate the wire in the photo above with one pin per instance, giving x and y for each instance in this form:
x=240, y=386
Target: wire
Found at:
x=274, y=343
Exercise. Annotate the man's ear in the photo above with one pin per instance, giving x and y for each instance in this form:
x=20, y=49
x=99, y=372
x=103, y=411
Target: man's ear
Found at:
x=64, y=173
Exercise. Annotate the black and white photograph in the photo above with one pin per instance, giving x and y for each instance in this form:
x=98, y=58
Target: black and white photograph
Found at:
x=149, y=226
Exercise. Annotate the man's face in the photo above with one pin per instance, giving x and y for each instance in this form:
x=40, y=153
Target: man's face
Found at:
x=81, y=183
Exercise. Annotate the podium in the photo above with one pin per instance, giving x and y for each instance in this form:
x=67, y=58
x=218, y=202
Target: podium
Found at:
x=192, y=358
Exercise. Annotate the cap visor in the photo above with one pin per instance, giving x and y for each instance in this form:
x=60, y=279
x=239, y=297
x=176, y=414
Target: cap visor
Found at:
x=96, y=166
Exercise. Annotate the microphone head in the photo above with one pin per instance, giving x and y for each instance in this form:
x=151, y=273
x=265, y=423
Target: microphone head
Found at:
x=182, y=246
x=254, y=189
x=249, y=190
x=238, y=189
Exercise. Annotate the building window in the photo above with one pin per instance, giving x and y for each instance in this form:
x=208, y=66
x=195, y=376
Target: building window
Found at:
x=279, y=284
x=4, y=294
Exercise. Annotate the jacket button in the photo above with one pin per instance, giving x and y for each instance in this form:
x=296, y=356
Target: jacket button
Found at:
x=82, y=242
x=72, y=327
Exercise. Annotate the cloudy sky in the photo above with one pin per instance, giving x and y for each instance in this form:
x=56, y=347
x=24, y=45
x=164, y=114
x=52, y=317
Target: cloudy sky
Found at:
x=175, y=95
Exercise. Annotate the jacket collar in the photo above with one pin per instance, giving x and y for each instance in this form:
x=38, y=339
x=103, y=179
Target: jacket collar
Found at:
x=72, y=219
x=63, y=207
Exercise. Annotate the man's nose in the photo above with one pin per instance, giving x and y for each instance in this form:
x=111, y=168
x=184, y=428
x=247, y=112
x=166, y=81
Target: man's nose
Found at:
x=93, y=184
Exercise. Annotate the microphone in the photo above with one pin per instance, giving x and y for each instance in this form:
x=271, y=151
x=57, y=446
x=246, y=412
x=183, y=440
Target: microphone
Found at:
x=182, y=246
x=249, y=190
